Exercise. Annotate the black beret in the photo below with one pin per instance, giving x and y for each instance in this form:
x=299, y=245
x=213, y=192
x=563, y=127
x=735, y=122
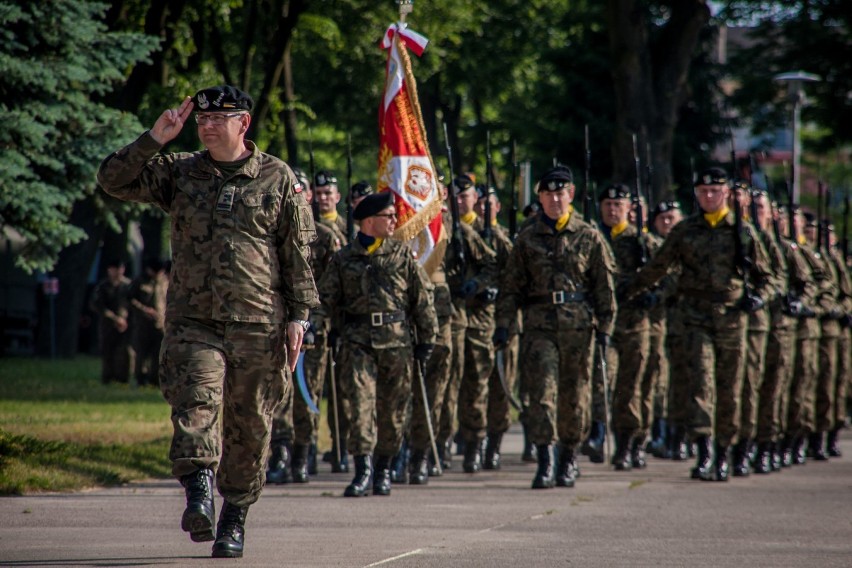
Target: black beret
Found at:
x=741, y=184
x=372, y=204
x=114, y=263
x=361, y=189
x=481, y=191
x=324, y=177
x=712, y=176
x=757, y=192
x=664, y=206
x=810, y=219
x=555, y=179
x=302, y=177
x=224, y=98
x=615, y=191
x=461, y=184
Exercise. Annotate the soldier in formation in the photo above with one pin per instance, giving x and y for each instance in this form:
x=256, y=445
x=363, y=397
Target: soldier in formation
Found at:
x=110, y=300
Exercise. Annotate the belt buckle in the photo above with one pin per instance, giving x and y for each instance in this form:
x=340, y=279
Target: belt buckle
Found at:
x=558, y=297
x=376, y=319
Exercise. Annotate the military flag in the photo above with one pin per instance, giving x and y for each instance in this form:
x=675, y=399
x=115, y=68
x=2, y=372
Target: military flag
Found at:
x=404, y=163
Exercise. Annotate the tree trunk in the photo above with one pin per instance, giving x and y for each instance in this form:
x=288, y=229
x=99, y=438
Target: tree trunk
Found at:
x=290, y=115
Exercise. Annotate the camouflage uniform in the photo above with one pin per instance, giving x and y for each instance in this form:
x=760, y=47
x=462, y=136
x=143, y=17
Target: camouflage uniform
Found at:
x=655, y=383
x=710, y=288
x=563, y=282
x=830, y=302
x=240, y=271
x=148, y=292
x=844, y=341
x=380, y=297
x=112, y=303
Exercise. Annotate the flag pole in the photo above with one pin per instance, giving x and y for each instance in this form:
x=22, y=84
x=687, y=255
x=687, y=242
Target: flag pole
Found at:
x=405, y=8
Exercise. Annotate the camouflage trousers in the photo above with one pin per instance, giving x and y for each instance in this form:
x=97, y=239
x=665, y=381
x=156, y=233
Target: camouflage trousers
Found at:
x=556, y=367
x=339, y=422
x=223, y=381
x=844, y=376
x=800, y=405
x=115, y=354
x=655, y=383
x=447, y=424
x=778, y=370
x=436, y=376
x=293, y=422
x=680, y=385
x=825, y=388
x=499, y=407
x=378, y=387
x=147, y=342
x=473, y=389
x=715, y=358
x=752, y=382
x=626, y=369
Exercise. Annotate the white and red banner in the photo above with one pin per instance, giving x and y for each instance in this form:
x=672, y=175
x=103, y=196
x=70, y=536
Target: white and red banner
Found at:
x=405, y=165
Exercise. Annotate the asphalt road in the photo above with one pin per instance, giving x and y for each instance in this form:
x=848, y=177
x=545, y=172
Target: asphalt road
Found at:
x=654, y=517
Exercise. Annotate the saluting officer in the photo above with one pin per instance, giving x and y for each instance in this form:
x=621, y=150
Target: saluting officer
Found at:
x=561, y=274
x=381, y=292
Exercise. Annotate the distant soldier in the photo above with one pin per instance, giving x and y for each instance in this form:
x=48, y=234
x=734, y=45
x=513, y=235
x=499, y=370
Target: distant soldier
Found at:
x=381, y=292
x=561, y=276
x=110, y=300
x=844, y=346
x=148, y=316
x=715, y=304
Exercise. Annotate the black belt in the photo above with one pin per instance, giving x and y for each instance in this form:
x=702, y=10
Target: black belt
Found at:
x=724, y=297
x=556, y=298
x=375, y=319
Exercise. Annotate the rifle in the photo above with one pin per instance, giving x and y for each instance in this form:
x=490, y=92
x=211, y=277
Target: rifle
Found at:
x=588, y=198
x=314, y=202
x=742, y=260
x=455, y=237
x=350, y=220
x=513, y=210
x=649, y=176
x=637, y=202
x=486, y=231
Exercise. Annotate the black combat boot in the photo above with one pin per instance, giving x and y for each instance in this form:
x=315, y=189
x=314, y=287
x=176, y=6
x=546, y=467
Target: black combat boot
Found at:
x=544, y=478
x=566, y=470
x=594, y=444
x=445, y=455
x=399, y=465
x=312, y=459
x=777, y=458
x=704, y=465
x=492, y=451
x=361, y=481
x=341, y=466
x=637, y=454
x=740, y=466
x=679, y=444
x=472, y=456
x=433, y=463
x=418, y=468
x=658, y=445
x=816, y=447
x=460, y=443
x=797, y=450
x=300, y=463
x=763, y=462
x=230, y=532
x=279, y=471
x=832, y=443
x=382, y=476
x=529, y=448
x=199, y=516
x=721, y=466
x=786, y=451
x=621, y=458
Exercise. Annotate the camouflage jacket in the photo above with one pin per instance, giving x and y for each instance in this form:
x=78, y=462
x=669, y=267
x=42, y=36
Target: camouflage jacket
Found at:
x=149, y=292
x=828, y=292
x=360, y=286
x=709, y=274
x=626, y=248
x=338, y=225
x=561, y=279
x=481, y=267
x=801, y=283
x=844, y=279
x=247, y=261
x=111, y=302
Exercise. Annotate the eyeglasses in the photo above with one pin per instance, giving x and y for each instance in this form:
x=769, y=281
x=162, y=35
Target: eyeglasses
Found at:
x=216, y=119
x=388, y=215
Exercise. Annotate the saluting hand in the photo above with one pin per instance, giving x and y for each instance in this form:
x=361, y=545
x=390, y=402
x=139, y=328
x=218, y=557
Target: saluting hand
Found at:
x=171, y=122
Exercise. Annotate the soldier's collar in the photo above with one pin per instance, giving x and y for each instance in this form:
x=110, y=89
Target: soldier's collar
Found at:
x=251, y=168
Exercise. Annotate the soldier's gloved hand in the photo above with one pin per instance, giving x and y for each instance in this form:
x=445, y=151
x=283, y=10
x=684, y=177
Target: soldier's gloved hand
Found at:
x=310, y=336
x=469, y=288
x=846, y=320
x=752, y=303
x=500, y=338
x=422, y=352
x=648, y=300
x=489, y=295
x=602, y=338
x=795, y=307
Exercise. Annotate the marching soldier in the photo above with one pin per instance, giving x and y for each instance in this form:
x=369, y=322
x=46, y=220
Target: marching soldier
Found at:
x=844, y=346
x=715, y=300
x=381, y=292
x=148, y=304
x=110, y=301
x=561, y=276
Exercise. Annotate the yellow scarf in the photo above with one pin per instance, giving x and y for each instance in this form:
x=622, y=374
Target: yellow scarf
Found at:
x=372, y=248
x=330, y=216
x=715, y=218
x=802, y=239
x=618, y=229
x=562, y=221
x=469, y=217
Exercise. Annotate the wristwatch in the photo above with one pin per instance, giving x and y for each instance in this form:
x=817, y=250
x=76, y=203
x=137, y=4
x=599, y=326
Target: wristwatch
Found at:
x=305, y=324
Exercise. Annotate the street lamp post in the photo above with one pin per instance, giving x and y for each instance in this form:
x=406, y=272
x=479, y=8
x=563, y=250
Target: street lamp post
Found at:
x=796, y=95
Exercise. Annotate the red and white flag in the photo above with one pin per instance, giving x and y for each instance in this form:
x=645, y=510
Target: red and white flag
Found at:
x=405, y=165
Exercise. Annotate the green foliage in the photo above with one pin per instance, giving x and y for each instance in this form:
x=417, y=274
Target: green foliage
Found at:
x=56, y=61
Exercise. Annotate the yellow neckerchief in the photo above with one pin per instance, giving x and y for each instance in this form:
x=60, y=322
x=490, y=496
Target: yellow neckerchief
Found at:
x=376, y=244
x=618, y=229
x=494, y=223
x=562, y=221
x=802, y=239
x=469, y=217
x=330, y=216
x=715, y=218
